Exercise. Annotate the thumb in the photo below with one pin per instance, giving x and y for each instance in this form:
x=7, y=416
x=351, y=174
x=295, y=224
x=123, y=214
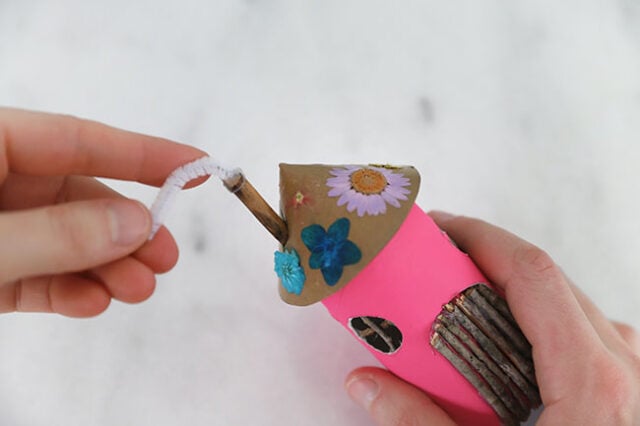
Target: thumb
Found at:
x=391, y=401
x=70, y=237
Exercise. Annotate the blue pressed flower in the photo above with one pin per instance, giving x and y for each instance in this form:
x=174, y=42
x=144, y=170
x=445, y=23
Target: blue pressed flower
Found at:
x=330, y=250
x=287, y=266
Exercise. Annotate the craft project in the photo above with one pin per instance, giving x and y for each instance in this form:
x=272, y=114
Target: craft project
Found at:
x=353, y=238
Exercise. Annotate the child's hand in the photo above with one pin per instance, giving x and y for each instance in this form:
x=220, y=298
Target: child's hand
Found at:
x=68, y=243
x=587, y=367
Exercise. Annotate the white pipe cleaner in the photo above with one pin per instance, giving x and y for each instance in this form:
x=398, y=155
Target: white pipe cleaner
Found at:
x=204, y=166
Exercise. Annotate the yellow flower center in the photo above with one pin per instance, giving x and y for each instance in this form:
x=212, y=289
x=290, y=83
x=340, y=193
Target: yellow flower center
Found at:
x=368, y=181
x=300, y=199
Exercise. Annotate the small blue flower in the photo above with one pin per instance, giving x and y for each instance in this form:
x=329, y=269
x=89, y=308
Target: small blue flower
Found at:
x=287, y=266
x=330, y=250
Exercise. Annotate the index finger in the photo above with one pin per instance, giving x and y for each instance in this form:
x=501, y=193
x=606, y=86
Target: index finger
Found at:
x=537, y=291
x=36, y=143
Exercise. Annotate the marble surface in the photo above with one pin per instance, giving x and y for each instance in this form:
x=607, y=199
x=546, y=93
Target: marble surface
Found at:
x=524, y=113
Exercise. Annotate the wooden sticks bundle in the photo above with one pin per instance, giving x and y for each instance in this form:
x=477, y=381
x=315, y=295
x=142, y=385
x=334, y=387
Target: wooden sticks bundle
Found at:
x=478, y=335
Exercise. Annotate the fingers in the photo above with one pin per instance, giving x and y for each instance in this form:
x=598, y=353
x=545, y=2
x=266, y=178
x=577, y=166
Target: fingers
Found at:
x=70, y=237
x=48, y=144
x=605, y=328
x=159, y=254
x=21, y=192
x=629, y=335
x=391, y=401
x=70, y=294
x=80, y=295
x=27, y=192
x=127, y=279
x=536, y=289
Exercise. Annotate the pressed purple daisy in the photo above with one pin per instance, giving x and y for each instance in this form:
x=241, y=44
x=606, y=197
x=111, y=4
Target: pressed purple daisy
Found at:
x=367, y=190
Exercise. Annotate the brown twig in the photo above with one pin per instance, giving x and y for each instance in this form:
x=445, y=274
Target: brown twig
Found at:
x=508, y=399
x=485, y=391
x=496, y=301
x=489, y=347
x=522, y=403
x=508, y=328
x=475, y=314
x=258, y=207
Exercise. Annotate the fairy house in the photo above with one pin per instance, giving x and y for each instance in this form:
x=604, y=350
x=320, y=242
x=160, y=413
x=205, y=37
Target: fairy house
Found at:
x=359, y=244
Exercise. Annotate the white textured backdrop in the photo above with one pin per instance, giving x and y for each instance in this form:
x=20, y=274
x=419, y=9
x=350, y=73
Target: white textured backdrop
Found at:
x=524, y=113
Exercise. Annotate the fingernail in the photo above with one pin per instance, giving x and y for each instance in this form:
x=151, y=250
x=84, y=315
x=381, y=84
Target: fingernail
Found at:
x=129, y=222
x=362, y=391
x=440, y=216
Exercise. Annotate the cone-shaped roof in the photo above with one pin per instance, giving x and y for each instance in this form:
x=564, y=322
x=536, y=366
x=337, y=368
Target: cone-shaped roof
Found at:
x=339, y=218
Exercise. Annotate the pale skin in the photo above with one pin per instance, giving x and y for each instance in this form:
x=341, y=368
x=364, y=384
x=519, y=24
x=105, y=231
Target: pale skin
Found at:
x=587, y=367
x=70, y=244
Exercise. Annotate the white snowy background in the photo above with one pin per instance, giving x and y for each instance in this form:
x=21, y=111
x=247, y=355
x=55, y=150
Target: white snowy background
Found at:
x=523, y=113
